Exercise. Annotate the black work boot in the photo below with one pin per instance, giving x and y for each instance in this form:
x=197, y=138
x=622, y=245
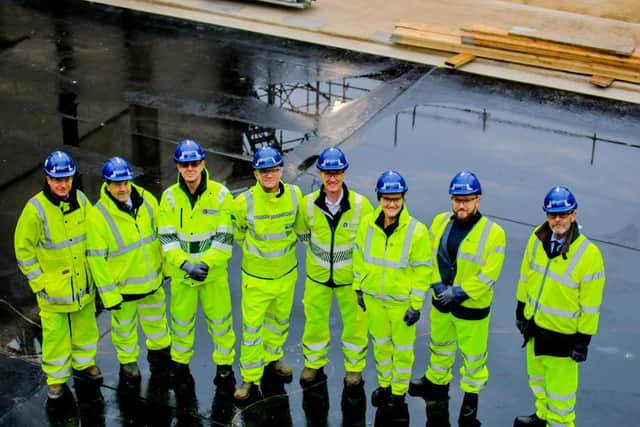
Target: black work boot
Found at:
x=159, y=360
x=180, y=375
x=438, y=413
x=381, y=396
x=398, y=411
x=469, y=411
x=529, y=420
x=224, y=377
x=418, y=387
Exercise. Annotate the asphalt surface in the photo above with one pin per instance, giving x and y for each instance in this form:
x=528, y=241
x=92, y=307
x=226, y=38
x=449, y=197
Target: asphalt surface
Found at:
x=100, y=81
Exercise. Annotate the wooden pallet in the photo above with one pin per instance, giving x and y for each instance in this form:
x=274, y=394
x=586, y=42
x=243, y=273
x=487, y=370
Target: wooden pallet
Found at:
x=500, y=44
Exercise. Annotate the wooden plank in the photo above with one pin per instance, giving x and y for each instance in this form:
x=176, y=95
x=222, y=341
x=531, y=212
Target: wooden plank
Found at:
x=459, y=60
x=619, y=44
x=547, y=48
x=450, y=43
x=601, y=81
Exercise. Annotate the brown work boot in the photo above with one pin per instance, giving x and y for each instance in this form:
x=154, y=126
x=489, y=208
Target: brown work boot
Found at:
x=308, y=375
x=244, y=391
x=281, y=369
x=352, y=379
x=130, y=370
x=55, y=391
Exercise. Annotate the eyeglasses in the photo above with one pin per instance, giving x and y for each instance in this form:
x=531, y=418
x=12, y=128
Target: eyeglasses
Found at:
x=391, y=201
x=458, y=201
x=193, y=164
x=561, y=215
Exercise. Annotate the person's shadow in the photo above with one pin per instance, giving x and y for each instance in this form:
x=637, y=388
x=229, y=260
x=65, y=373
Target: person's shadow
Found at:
x=63, y=411
x=272, y=410
x=187, y=404
x=90, y=403
x=315, y=402
x=354, y=406
x=222, y=411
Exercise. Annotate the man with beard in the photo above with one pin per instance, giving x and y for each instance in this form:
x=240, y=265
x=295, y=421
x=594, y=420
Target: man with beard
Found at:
x=470, y=251
x=559, y=296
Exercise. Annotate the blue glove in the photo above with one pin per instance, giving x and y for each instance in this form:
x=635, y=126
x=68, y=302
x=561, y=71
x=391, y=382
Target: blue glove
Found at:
x=361, y=300
x=197, y=272
x=452, y=295
x=439, y=288
x=411, y=316
x=579, y=353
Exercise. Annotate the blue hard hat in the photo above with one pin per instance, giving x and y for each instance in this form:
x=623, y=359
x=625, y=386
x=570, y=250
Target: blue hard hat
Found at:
x=267, y=157
x=59, y=165
x=332, y=159
x=391, y=182
x=465, y=183
x=188, y=151
x=117, y=169
x=559, y=199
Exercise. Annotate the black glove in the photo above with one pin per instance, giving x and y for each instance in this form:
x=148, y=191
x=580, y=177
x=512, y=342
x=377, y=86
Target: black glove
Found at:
x=197, y=271
x=579, y=353
x=439, y=288
x=118, y=306
x=411, y=316
x=361, y=300
x=520, y=325
x=452, y=295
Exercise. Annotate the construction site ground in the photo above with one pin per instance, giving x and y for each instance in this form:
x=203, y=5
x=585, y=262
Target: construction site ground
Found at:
x=367, y=25
x=100, y=80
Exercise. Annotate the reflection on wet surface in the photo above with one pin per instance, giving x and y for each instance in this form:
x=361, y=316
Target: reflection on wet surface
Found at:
x=101, y=81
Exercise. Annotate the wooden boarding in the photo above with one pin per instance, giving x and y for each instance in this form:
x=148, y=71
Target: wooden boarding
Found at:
x=459, y=60
x=451, y=42
x=521, y=44
x=601, y=81
x=619, y=44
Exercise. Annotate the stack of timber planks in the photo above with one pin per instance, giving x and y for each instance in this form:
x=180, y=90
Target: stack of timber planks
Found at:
x=604, y=60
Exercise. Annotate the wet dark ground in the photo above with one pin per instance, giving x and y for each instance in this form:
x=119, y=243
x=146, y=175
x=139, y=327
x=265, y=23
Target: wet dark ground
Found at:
x=101, y=81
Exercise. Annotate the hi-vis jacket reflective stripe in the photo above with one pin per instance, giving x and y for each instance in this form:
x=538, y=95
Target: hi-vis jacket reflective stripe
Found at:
x=264, y=227
x=479, y=261
x=397, y=268
x=329, y=251
x=50, y=249
x=124, y=253
x=564, y=293
x=202, y=233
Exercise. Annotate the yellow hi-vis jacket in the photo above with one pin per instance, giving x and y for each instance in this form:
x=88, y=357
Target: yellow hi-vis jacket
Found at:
x=479, y=260
x=202, y=233
x=330, y=248
x=264, y=228
x=562, y=293
x=397, y=268
x=50, y=244
x=124, y=252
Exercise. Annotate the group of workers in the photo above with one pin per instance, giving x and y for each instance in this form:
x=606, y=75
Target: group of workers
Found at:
x=379, y=263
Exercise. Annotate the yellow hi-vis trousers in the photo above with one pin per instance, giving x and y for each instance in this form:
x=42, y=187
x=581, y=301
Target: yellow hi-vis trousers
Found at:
x=69, y=340
x=447, y=334
x=317, y=303
x=554, y=383
x=152, y=312
x=266, y=307
x=392, y=342
x=215, y=298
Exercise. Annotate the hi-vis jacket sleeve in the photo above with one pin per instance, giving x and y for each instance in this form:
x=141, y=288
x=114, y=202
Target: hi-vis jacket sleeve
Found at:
x=97, y=250
x=239, y=218
x=219, y=254
x=28, y=231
